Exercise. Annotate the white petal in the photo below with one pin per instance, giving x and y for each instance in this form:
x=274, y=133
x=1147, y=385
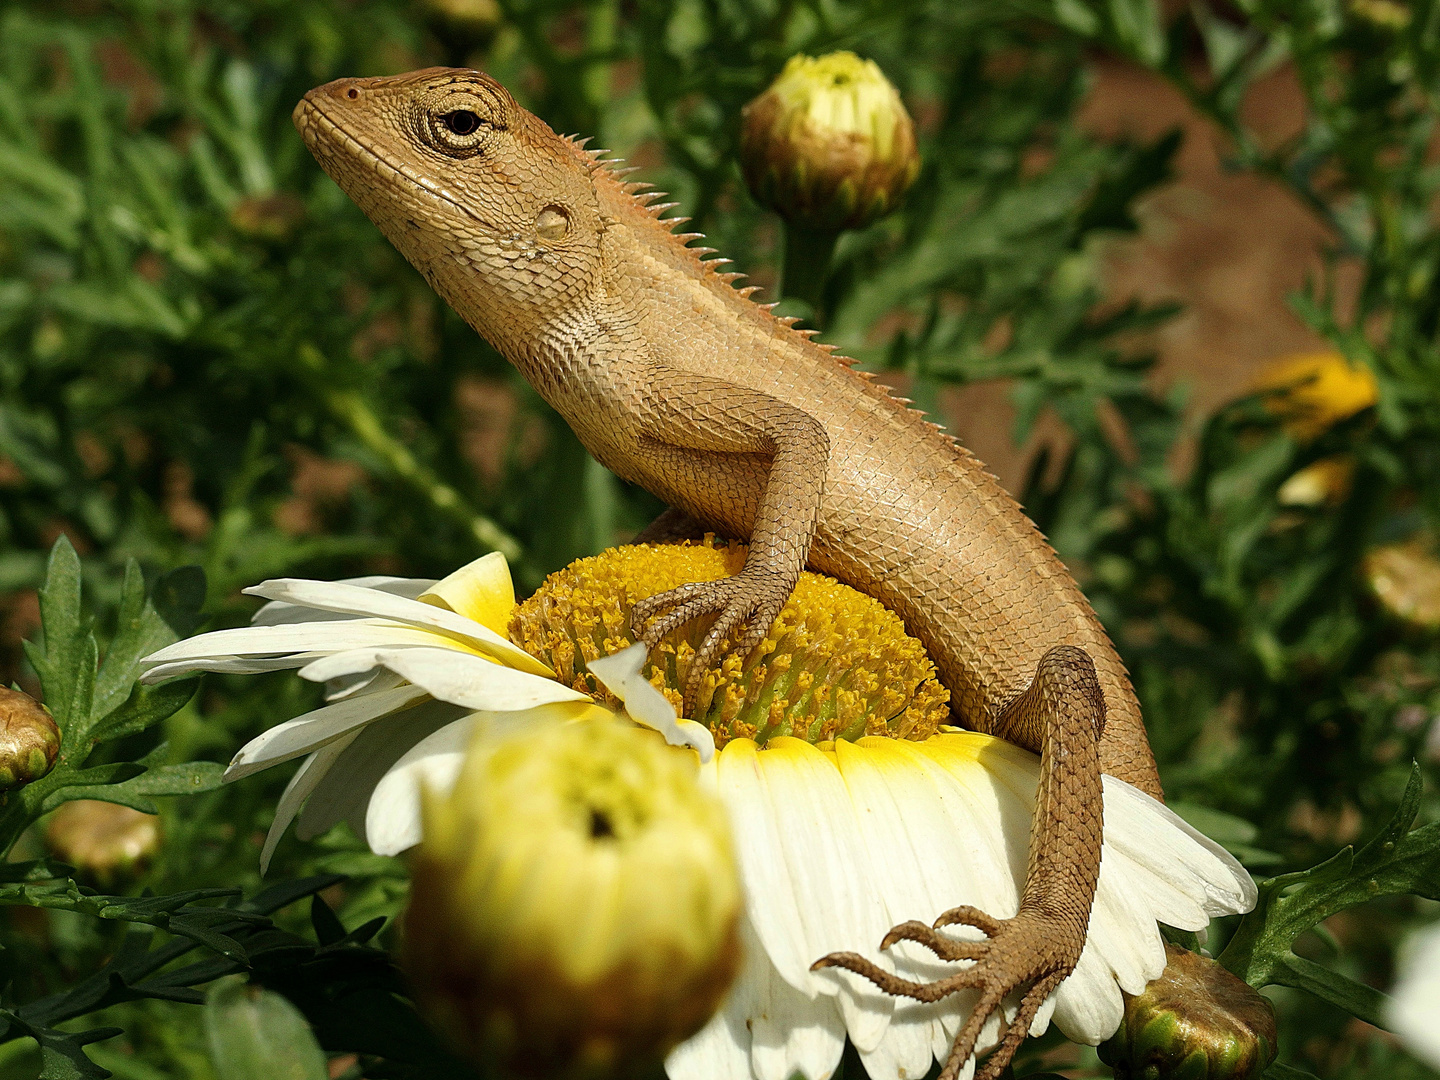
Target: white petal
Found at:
x=345, y=792
x=791, y=1034
x=1088, y=1005
x=278, y=611
x=392, y=820
x=1158, y=839
x=620, y=674
x=314, y=729
x=354, y=600
x=459, y=678
x=323, y=637
x=770, y=896
x=833, y=897
x=1414, y=1011
x=721, y=1049
x=312, y=770
x=228, y=667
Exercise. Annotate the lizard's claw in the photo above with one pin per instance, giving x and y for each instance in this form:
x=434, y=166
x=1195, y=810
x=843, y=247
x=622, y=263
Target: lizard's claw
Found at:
x=1023, y=952
x=748, y=605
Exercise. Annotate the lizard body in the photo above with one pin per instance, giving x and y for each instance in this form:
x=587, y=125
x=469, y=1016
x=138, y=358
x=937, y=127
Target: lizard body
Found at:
x=675, y=380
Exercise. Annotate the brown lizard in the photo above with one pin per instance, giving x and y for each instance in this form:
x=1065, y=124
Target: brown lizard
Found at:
x=676, y=380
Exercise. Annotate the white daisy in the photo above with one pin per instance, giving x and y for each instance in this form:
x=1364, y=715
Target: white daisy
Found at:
x=1415, y=1009
x=839, y=842
x=411, y=666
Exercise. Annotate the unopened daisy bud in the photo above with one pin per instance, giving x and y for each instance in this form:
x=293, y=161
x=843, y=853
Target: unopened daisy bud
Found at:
x=829, y=145
x=1195, y=1022
x=574, y=902
x=29, y=739
x=107, y=844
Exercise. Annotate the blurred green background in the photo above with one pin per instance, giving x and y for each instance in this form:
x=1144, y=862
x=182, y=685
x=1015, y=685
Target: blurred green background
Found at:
x=209, y=357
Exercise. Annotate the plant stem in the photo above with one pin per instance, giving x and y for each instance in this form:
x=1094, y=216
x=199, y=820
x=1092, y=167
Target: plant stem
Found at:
x=807, y=266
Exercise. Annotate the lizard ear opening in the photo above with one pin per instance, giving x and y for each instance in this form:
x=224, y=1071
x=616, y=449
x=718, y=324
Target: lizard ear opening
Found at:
x=552, y=223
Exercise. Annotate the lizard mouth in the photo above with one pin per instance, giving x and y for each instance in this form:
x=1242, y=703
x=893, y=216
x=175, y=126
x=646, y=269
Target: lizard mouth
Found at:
x=325, y=136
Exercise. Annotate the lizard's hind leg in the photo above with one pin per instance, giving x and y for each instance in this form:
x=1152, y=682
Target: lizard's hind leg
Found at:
x=1062, y=715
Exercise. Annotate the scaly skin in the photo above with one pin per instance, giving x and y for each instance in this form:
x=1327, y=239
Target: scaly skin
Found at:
x=677, y=381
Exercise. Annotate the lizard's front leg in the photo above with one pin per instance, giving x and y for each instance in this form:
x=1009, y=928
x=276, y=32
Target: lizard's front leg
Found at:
x=1062, y=715
x=682, y=412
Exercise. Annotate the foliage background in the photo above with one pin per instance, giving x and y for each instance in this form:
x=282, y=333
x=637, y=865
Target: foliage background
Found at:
x=209, y=357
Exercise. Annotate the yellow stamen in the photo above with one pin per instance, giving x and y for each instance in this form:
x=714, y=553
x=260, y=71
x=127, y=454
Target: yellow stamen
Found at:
x=836, y=665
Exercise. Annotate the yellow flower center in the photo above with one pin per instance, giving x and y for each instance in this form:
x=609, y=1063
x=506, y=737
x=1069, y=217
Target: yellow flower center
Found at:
x=836, y=665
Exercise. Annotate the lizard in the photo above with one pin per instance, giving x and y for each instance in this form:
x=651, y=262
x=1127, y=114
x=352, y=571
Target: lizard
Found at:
x=675, y=379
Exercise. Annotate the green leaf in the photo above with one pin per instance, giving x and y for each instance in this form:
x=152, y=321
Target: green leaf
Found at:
x=145, y=707
x=140, y=632
x=178, y=597
x=66, y=660
x=255, y=1034
x=190, y=778
x=1395, y=862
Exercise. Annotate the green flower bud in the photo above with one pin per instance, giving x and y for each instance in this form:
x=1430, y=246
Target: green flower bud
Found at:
x=29, y=739
x=574, y=903
x=108, y=844
x=1195, y=1022
x=829, y=145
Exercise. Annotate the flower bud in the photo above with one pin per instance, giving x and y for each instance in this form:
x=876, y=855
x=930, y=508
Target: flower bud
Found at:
x=107, y=843
x=29, y=739
x=574, y=902
x=1195, y=1022
x=829, y=145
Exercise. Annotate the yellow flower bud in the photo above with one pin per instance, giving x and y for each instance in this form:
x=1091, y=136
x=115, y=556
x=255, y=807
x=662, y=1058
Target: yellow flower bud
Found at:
x=1195, y=1022
x=574, y=902
x=107, y=844
x=829, y=145
x=29, y=739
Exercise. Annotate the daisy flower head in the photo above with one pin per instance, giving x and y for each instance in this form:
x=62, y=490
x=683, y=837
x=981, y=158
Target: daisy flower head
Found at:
x=856, y=807
x=411, y=667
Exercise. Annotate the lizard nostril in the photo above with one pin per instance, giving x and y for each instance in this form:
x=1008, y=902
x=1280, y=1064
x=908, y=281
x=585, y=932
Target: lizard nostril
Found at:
x=352, y=93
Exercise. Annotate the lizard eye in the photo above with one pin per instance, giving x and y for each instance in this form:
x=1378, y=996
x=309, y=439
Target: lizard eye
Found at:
x=461, y=122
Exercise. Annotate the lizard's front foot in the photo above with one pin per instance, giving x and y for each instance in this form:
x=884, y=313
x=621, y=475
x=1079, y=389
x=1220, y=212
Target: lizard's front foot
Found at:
x=1030, y=950
x=748, y=603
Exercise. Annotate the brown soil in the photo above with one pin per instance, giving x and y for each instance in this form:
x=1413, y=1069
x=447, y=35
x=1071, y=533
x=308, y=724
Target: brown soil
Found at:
x=1229, y=246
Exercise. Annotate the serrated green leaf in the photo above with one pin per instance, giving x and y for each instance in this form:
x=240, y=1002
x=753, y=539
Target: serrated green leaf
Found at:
x=66, y=660
x=139, y=632
x=145, y=707
x=1395, y=862
x=190, y=778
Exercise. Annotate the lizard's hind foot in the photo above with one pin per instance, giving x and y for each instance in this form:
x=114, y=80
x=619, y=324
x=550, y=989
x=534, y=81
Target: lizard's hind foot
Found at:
x=1024, y=953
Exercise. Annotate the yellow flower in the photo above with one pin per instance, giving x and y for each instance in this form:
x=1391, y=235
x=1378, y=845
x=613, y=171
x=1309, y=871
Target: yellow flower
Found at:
x=574, y=903
x=1312, y=391
x=840, y=838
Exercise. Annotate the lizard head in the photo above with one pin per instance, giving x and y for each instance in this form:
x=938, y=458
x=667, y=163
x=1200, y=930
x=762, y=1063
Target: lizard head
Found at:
x=497, y=211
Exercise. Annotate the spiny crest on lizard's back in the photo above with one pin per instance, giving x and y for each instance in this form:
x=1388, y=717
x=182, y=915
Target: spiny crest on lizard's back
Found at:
x=641, y=196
